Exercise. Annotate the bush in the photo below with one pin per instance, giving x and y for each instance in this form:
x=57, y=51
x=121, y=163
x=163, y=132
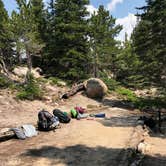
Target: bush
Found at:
x=111, y=83
x=127, y=94
x=30, y=91
x=150, y=103
x=56, y=81
x=135, y=81
x=140, y=102
x=4, y=82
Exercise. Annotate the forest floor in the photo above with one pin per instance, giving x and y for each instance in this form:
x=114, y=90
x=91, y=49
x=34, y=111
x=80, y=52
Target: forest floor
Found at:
x=98, y=142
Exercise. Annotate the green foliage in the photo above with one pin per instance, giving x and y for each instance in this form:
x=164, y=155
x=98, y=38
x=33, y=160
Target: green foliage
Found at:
x=149, y=41
x=127, y=66
x=103, y=45
x=142, y=103
x=39, y=19
x=25, y=29
x=4, y=82
x=67, y=48
x=6, y=52
x=111, y=83
x=127, y=94
x=42, y=80
x=55, y=81
x=136, y=81
x=31, y=90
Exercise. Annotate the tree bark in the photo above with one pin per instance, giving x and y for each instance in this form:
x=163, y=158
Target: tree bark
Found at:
x=29, y=61
x=4, y=136
x=96, y=68
x=73, y=91
x=159, y=120
x=3, y=66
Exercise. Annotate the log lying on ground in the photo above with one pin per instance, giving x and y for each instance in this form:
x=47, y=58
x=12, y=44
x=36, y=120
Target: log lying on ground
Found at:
x=6, y=134
x=73, y=91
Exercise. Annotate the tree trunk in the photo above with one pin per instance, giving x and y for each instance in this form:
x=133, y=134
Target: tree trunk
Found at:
x=159, y=120
x=3, y=66
x=73, y=91
x=96, y=68
x=29, y=61
x=29, y=64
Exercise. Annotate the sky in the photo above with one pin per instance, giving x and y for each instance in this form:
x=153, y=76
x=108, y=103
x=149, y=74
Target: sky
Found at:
x=123, y=10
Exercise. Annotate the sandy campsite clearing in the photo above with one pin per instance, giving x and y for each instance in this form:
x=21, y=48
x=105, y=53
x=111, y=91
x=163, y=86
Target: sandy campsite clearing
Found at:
x=98, y=142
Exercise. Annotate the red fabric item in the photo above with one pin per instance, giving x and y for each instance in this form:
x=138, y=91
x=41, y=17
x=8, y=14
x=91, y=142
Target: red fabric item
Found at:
x=80, y=110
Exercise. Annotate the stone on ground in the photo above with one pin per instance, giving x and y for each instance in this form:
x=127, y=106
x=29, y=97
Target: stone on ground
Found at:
x=22, y=71
x=95, y=88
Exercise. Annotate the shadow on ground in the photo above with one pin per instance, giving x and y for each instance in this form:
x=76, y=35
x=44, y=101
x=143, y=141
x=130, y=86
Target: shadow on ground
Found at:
x=118, y=103
x=78, y=155
x=81, y=155
x=157, y=160
x=120, y=121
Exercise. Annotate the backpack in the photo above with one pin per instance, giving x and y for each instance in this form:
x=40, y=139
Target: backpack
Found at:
x=44, y=120
x=63, y=118
x=80, y=110
x=74, y=113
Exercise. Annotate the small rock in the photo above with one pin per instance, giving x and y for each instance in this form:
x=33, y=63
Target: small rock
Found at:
x=143, y=147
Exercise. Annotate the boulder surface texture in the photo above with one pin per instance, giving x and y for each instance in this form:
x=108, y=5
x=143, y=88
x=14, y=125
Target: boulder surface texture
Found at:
x=95, y=88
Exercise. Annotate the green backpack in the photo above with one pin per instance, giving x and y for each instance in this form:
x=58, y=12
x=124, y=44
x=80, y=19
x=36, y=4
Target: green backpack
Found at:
x=74, y=113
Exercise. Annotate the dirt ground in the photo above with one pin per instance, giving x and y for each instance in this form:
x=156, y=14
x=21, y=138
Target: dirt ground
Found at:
x=98, y=142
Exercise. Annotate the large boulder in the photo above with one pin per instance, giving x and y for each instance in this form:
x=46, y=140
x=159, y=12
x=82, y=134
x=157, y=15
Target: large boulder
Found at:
x=22, y=71
x=95, y=88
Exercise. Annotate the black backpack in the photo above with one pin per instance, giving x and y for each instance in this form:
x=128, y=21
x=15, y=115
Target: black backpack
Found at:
x=44, y=120
x=62, y=117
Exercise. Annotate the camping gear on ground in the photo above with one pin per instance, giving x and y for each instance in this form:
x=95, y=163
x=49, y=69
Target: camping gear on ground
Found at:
x=82, y=116
x=80, y=109
x=63, y=118
x=148, y=121
x=19, y=133
x=45, y=120
x=55, y=123
x=29, y=130
x=74, y=113
x=25, y=131
x=100, y=115
x=65, y=113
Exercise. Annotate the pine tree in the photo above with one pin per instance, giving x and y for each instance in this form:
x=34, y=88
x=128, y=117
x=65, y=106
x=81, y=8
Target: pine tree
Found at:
x=149, y=41
x=39, y=15
x=102, y=40
x=68, y=48
x=27, y=35
x=127, y=65
x=5, y=38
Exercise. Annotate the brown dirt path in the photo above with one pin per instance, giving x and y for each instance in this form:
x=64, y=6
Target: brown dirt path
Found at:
x=79, y=143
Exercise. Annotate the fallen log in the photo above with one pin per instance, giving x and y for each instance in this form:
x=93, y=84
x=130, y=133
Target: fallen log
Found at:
x=75, y=89
x=6, y=134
